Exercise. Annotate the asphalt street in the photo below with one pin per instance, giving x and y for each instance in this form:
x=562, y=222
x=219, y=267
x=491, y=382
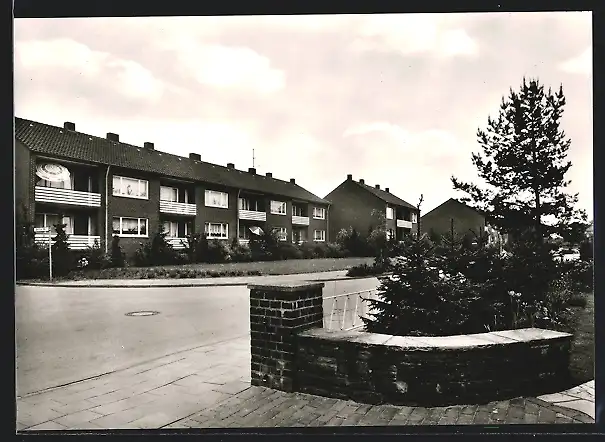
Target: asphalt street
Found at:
x=64, y=335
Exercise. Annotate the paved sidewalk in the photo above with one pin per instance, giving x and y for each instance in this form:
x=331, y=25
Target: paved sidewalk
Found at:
x=337, y=275
x=210, y=387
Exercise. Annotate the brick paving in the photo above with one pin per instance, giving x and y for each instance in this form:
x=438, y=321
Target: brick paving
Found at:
x=209, y=387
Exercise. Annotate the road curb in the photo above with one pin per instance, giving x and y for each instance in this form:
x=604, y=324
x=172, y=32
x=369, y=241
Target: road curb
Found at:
x=167, y=285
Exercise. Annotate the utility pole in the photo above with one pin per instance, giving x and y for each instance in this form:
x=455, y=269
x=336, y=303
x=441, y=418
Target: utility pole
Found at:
x=418, y=215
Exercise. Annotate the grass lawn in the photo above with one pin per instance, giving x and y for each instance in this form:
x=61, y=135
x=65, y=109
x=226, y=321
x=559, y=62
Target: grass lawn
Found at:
x=287, y=267
x=582, y=347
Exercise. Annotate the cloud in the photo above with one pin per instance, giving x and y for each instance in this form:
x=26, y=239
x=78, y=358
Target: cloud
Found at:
x=409, y=34
x=580, y=64
x=228, y=67
x=127, y=76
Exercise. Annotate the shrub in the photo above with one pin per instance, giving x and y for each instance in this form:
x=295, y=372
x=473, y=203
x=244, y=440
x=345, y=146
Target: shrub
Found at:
x=217, y=252
x=240, y=253
x=117, y=257
x=579, y=274
x=157, y=251
x=419, y=299
x=265, y=247
x=334, y=250
x=307, y=250
x=353, y=243
x=31, y=258
x=289, y=251
x=94, y=258
x=365, y=270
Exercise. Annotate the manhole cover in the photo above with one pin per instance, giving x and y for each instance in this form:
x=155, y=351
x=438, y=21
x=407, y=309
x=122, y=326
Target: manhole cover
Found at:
x=143, y=313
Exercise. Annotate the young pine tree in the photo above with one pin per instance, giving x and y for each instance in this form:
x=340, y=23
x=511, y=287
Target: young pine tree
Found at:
x=61, y=256
x=523, y=163
x=420, y=299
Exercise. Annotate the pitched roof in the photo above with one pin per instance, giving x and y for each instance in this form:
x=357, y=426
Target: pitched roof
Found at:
x=457, y=202
x=51, y=140
x=385, y=196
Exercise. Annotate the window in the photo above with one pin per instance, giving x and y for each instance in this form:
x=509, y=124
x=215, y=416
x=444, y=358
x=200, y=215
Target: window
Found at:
x=69, y=184
x=217, y=199
x=130, y=187
x=171, y=228
x=319, y=235
x=282, y=233
x=299, y=235
x=319, y=213
x=216, y=230
x=250, y=204
x=414, y=217
x=390, y=234
x=390, y=214
x=51, y=219
x=169, y=194
x=124, y=226
x=278, y=207
x=298, y=211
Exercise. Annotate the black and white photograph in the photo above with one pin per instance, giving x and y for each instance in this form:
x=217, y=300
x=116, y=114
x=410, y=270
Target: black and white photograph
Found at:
x=315, y=220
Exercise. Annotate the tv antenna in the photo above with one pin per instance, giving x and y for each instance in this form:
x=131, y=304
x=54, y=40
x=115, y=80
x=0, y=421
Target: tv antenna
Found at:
x=253, y=158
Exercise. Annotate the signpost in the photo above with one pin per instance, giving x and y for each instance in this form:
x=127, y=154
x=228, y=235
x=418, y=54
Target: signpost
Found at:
x=46, y=230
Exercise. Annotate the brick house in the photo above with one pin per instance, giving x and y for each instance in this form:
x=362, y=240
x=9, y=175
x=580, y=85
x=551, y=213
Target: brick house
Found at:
x=465, y=220
x=352, y=204
x=114, y=188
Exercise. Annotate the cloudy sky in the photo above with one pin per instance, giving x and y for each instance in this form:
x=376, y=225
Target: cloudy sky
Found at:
x=395, y=99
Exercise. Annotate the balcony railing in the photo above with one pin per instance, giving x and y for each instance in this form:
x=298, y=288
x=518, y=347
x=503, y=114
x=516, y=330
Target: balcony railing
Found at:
x=76, y=242
x=252, y=215
x=178, y=208
x=176, y=243
x=405, y=224
x=300, y=220
x=67, y=196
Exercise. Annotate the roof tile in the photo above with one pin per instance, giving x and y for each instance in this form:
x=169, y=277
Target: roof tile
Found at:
x=51, y=140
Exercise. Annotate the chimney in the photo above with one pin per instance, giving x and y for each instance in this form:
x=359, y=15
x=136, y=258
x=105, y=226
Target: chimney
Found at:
x=292, y=180
x=195, y=156
x=252, y=170
x=349, y=177
x=362, y=181
x=69, y=126
x=269, y=175
x=230, y=166
x=378, y=186
x=148, y=145
x=386, y=189
x=113, y=137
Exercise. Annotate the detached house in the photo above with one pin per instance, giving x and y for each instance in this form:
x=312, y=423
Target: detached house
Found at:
x=352, y=204
x=465, y=220
x=100, y=187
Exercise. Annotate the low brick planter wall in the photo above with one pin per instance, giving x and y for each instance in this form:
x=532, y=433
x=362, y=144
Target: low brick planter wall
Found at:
x=290, y=351
x=432, y=371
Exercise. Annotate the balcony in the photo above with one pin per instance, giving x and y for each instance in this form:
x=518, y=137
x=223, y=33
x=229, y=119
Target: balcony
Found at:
x=176, y=243
x=67, y=196
x=252, y=215
x=76, y=242
x=300, y=220
x=178, y=208
x=405, y=224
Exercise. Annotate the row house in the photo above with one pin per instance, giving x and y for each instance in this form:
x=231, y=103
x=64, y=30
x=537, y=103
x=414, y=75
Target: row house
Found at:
x=353, y=204
x=101, y=187
x=463, y=219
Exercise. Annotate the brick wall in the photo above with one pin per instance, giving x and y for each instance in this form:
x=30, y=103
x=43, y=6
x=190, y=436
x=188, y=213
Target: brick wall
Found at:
x=277, y=314
x=375, y=368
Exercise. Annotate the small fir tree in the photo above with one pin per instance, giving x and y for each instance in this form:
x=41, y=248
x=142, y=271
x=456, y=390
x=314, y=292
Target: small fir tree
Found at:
x=61, y=256
x=117, y=256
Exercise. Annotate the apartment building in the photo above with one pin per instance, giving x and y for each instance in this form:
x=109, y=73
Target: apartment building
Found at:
x=100, y=187
x=353, y=202
x=464, y=219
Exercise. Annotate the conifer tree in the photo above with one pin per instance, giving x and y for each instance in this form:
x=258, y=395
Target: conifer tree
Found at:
x=523, y=163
